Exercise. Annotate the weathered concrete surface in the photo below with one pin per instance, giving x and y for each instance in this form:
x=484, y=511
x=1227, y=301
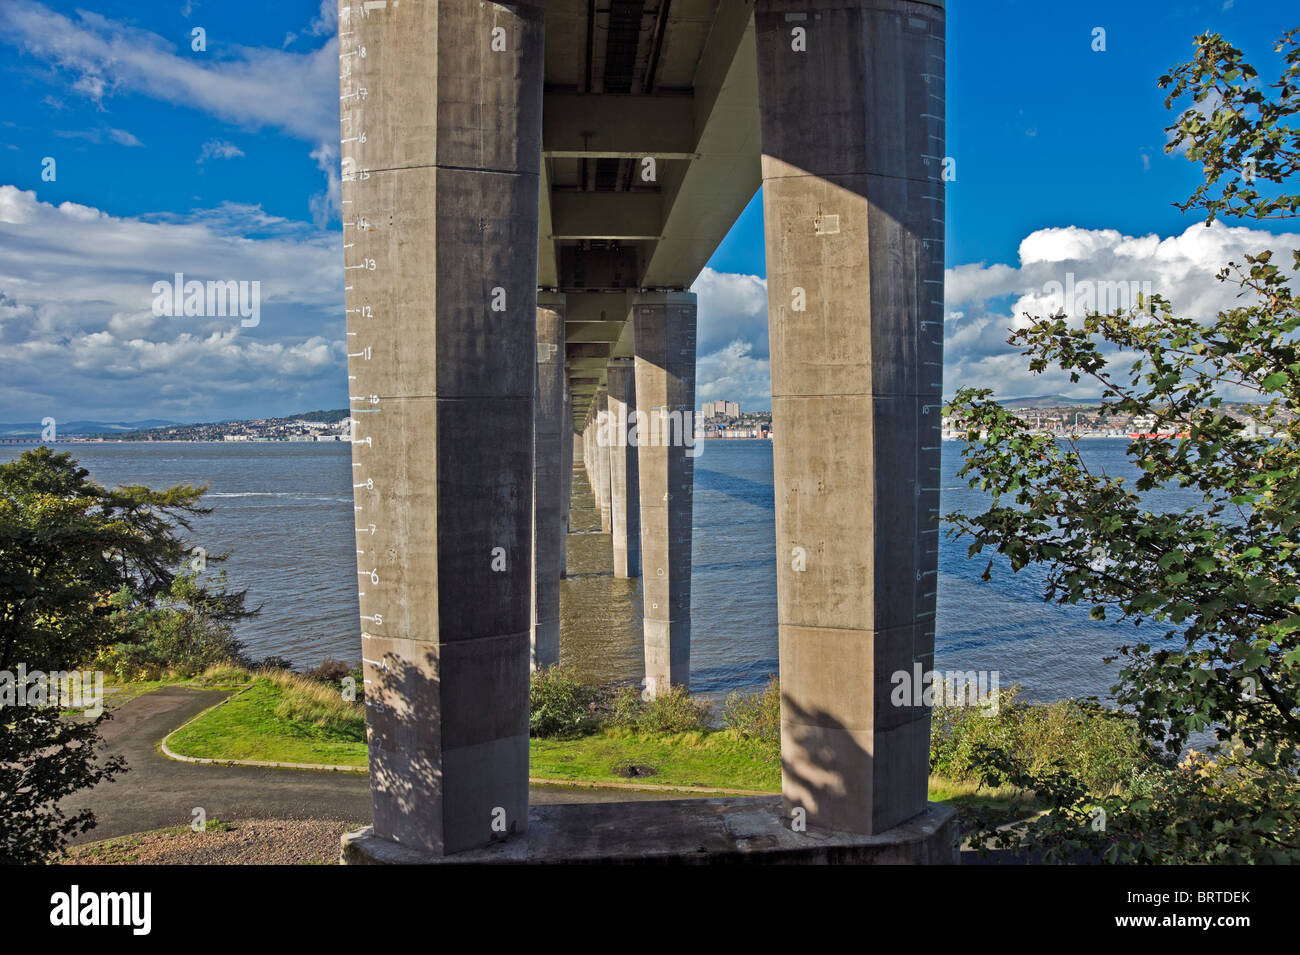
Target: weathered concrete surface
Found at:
x=587, y=467
x=664, y=330
x=853, y=209
x=754, y=830
x=548, y=480
x=566, y=471
x=625, y=493
x=601, y=455
x=442, y=203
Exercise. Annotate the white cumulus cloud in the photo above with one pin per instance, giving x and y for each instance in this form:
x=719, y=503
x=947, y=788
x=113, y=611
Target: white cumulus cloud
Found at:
x=80, y=339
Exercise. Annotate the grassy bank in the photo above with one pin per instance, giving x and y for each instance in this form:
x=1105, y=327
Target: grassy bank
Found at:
x=602, y=735
x=279, y=717
x=265, y=722
x=718, y=759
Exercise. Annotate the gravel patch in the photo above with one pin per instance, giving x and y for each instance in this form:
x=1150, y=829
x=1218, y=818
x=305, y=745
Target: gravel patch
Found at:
x=247, y=842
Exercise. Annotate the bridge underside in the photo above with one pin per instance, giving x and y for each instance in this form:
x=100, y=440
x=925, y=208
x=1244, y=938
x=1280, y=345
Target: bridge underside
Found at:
x=614, y=145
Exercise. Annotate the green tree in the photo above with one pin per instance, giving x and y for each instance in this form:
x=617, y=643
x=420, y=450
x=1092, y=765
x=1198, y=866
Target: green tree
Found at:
x=43, y=758
x=68, y=546
x=83, y=568
x=1221, y=578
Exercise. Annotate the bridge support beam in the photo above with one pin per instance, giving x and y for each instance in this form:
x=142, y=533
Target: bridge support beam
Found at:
x=443, y=464
x=589, y=456
x=603, y=500
x=851, y=103
x=625, y=495
x=566, y=471
x=663, y=327
x=548, y=480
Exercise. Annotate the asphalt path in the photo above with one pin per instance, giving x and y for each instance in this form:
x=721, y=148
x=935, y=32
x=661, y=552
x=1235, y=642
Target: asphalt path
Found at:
x=157, y=792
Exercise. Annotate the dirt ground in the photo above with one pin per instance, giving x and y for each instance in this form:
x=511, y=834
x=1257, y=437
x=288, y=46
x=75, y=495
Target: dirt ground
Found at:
x=246, y=842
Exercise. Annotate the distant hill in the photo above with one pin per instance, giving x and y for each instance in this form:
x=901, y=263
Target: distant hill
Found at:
x=213, y=430
x=82, y=427
x=329, y=417
x=1046, y=401
x=150, y=427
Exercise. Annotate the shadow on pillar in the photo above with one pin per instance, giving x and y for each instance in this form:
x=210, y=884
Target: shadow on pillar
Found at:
x=409, y=760
x=843, y=785
x=853, y=208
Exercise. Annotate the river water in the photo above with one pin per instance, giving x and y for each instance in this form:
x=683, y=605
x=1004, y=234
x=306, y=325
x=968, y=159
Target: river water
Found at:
x=284, y=513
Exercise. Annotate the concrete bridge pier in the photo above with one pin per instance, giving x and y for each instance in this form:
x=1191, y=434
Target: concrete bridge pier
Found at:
x=548, y=480
x=591, y=452
x=479, y=167
x=663, y=327
x=587, y=444
x=442, y=215
x=851, y=108
x=603, y=489
x=625, y=495
x=566, y=473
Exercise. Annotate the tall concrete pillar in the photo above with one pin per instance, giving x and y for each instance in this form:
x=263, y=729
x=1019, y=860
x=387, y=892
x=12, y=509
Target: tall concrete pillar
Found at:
x=548, y=480
x=602, y=461
x=588, y=446
x=625, y=494
x=589, y=454
x=853, y=144
x=566, y=473
x=664, y=342
x=440, y=191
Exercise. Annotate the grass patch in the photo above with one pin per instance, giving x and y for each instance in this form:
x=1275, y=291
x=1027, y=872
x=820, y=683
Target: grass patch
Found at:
x=279, y=718
x=285, y=717
x=719, y=759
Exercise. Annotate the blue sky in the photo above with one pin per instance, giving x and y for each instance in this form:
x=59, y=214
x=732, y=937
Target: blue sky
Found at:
x=173, y=159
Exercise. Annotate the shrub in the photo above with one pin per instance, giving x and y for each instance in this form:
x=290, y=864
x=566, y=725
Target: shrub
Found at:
x=673, y=712
x=622, y=707
x=560, y=704
x=756, y=715
x=182, y=635
x=358, y=675
x=1100, y=746
x=273, y=663
x=130, y=661
x=330, y=671
x=225, y=674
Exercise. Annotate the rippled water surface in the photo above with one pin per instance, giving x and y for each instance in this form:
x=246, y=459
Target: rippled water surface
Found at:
x=284, y=512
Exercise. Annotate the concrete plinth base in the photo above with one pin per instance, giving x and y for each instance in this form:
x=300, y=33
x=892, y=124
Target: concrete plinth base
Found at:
x=689, y=831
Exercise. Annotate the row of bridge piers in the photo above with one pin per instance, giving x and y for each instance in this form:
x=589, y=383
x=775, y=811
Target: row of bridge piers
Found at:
x=517, y=299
